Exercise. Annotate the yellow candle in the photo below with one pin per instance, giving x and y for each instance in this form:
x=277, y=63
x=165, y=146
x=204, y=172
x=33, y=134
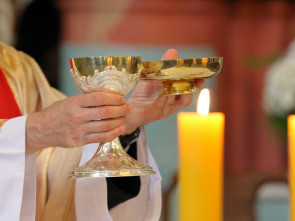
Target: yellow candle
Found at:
x=291, y=156
x=200, y=166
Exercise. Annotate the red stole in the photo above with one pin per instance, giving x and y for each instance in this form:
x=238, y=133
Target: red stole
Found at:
x=8, y=105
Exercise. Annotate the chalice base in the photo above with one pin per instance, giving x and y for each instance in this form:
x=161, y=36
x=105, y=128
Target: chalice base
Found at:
x=174, y=87
x=111, y=160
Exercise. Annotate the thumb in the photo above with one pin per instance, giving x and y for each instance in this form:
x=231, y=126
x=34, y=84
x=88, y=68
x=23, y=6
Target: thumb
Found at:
x=170, y=54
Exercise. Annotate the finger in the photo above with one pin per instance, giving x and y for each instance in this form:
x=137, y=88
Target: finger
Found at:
x=183, y=101
x=170, y=54
x=160, y=102
x=169, y=105
x=105, y=112
x=96, y=99
x=105, y=136
x=102, y=89
x=177, y=97
x=175, y=103
x=103, y=125
x=147, y=89
x=199, y=82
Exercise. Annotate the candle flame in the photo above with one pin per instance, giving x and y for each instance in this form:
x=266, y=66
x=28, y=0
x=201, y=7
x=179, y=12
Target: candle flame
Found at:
x=203, y=102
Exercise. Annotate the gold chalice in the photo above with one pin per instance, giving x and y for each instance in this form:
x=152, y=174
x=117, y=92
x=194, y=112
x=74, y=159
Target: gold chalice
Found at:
x=178, y=76
x=119, y=74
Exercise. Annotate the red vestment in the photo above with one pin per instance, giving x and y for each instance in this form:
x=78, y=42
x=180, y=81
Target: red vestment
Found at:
x=8, y=106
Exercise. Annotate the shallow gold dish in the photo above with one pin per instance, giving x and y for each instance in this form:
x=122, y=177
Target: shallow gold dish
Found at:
x=178, y=75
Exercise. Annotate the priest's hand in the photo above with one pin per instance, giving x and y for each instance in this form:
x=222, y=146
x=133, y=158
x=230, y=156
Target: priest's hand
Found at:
x=148, y=105
x=95, y=117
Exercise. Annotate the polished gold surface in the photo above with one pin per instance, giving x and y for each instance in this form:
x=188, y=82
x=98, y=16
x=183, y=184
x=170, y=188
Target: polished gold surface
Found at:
x=118, y=73
x=178, y=75
x=178, y=87
x=86, y=66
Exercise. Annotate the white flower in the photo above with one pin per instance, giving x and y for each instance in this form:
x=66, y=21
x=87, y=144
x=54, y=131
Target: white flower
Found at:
x=279, y=90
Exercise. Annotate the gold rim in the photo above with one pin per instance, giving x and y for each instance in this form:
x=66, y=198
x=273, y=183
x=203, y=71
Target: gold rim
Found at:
x=86, y=66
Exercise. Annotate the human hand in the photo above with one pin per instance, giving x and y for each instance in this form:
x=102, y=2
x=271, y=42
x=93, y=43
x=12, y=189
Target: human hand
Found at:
x=95, y=117
x=147, y=105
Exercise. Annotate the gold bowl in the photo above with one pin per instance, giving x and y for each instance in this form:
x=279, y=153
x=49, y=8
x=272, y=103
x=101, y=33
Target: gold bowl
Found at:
x=179, y=75
x=119, y=73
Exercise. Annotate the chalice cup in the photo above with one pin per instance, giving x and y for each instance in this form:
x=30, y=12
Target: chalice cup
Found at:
x=121, y=74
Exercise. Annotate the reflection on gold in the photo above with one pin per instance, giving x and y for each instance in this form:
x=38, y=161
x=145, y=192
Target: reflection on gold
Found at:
x=179, y=62
x=178, y=87
x=128, y=62
x=109, y=61
x=204, y=62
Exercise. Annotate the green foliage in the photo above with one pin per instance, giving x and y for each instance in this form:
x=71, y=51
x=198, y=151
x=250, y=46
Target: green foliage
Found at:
x=254, y=62
x=280, y=123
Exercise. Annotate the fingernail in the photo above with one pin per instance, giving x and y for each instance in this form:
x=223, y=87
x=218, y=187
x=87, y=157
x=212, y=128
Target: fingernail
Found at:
x=123, y=100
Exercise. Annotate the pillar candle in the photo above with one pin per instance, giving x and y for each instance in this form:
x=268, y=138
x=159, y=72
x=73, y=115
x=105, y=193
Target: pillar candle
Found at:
x=291, y=156
x=200, y=166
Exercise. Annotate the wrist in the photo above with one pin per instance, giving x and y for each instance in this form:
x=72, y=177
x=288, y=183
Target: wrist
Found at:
x=33, y=136
x=129, y=129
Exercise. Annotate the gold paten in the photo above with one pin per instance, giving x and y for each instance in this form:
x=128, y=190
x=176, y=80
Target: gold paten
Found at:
x=178, y=75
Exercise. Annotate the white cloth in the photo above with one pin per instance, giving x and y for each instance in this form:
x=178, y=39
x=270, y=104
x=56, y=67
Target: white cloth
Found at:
x=18, y=183
x=148, y=202
x=12, y=168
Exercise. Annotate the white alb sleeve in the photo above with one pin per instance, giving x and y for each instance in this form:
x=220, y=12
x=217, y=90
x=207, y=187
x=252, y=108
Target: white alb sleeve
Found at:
x=12, y=169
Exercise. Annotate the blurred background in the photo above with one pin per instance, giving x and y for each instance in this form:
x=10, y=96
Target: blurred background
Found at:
x=254, y=88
